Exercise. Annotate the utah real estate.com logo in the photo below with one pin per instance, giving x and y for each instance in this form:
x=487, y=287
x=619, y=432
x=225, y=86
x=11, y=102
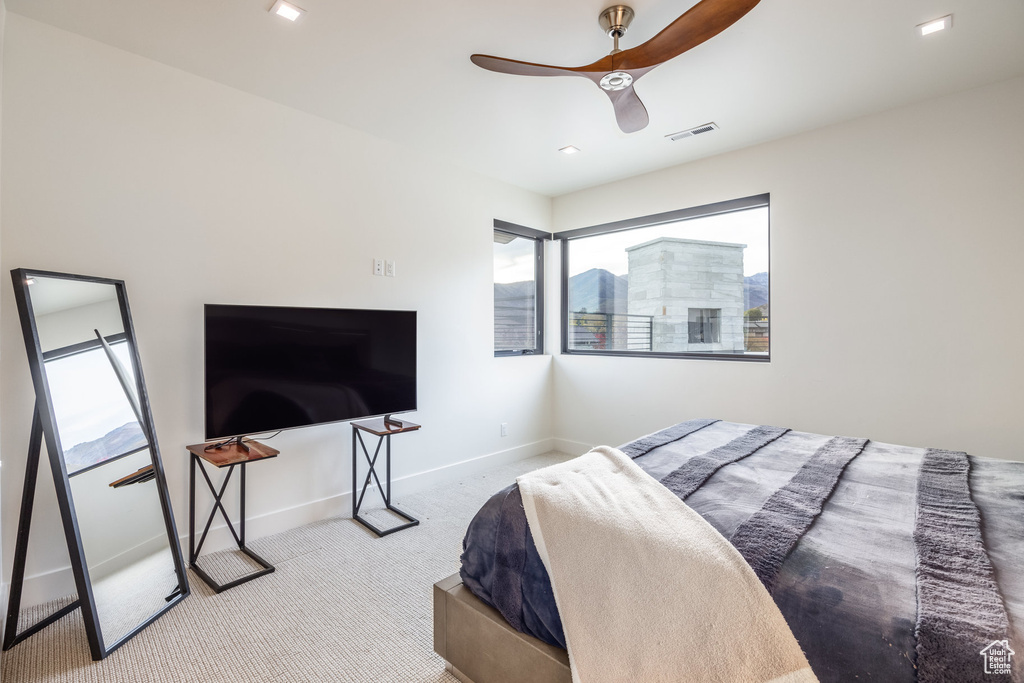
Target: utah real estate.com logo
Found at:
x=997, y=657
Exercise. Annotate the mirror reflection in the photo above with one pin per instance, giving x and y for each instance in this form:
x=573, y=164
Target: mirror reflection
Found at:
x=89, y=369
x=99, y=424
x=125, y=542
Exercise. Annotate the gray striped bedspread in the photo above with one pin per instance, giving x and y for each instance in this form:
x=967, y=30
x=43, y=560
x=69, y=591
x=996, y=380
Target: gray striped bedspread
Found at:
x=889, y=563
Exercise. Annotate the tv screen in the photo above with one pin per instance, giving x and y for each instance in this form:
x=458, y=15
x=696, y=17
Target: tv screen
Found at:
x=276, y=367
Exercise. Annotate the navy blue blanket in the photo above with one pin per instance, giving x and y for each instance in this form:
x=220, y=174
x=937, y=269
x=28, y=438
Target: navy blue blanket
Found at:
x=829, y=526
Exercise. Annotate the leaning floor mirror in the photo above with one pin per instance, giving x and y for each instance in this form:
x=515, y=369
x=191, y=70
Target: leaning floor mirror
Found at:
x=92, y=413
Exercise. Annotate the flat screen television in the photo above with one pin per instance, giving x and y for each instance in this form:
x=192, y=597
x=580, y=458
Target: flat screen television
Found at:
x=270, y=368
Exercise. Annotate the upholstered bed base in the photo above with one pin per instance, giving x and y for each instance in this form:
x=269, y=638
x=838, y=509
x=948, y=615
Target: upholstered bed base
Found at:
x=480, y=647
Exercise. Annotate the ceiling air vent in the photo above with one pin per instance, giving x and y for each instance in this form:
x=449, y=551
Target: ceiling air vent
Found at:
x=699, y=130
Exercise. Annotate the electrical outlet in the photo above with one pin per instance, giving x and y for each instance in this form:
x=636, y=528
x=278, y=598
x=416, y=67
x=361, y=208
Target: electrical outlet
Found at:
x=378, y=266
x=504, y=428
x=389, y=268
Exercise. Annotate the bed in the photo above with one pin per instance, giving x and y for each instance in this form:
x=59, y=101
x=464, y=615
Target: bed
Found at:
x=888, y=563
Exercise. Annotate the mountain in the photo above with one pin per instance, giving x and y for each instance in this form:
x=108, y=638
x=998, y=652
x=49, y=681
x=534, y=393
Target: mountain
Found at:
x=755, y=290
x=514, y=295
x=124, y=439
x=598, y=291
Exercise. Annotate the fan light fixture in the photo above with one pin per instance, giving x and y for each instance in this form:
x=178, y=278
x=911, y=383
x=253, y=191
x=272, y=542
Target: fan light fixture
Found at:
x=940, y=24
x=287, y=10
x=616, y=80
x=569, y=149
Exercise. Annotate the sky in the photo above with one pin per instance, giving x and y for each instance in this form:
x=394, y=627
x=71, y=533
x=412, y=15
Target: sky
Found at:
x=740, y=227
x=513, y=262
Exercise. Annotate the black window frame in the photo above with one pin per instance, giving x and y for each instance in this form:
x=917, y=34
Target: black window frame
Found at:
x=539, y=237
x=703, y=211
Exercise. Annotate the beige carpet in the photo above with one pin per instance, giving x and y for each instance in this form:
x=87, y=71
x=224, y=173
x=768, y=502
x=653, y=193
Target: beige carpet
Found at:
x=343, y=605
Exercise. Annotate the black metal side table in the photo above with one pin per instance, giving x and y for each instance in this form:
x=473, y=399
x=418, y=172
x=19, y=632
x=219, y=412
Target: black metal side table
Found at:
x=382, y=428
x=230, y=456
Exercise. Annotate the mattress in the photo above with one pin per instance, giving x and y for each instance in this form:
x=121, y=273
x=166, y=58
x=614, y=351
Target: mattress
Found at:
x=888, y=562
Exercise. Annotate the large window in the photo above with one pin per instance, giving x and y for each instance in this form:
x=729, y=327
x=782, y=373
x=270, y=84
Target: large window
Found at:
x=518, y=290
x=689, y=283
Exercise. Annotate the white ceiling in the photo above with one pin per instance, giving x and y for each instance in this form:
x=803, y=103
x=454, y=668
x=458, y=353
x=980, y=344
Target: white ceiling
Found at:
x=400, y=70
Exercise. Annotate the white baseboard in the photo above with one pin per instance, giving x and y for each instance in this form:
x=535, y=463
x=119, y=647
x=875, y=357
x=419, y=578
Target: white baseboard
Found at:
x=46, y=586
x=4, y=592
x=570, y=447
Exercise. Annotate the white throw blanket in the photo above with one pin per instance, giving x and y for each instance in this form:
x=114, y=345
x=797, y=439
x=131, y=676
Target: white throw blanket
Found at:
x=647, y=590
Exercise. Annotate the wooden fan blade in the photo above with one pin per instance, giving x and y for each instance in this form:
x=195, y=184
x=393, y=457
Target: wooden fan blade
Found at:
x=630, y=112
x=517, y=68
x=701, y=22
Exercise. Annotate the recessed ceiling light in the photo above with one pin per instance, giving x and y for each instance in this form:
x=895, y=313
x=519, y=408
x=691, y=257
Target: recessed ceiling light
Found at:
x=940, y=24
x=569, y=150
x=287, y=10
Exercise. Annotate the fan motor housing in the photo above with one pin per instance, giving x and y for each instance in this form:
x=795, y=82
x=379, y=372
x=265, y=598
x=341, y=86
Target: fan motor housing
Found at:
x=615, y=20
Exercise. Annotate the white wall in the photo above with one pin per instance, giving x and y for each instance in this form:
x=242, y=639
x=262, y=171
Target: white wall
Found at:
x=76, y=325
x=192, y=192
x=896, y=246
x=3, y=32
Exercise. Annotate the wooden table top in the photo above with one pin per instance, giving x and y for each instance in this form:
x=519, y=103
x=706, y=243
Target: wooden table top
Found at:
x=378, y=427
x=231, y=454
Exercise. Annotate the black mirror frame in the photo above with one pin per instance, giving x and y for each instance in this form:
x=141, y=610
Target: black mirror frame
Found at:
x=62, y=484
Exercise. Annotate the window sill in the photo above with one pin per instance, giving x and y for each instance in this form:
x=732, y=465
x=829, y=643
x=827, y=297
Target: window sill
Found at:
x=746, y=358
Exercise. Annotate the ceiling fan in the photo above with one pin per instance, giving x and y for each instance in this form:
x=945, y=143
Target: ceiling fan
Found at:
x=616, y=73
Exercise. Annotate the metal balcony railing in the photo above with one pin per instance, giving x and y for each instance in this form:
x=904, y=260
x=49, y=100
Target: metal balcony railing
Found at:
x=610, y=331
x=515, y=324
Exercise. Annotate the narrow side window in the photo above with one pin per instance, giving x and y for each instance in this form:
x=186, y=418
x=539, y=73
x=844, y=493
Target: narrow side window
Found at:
x=518, y=294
